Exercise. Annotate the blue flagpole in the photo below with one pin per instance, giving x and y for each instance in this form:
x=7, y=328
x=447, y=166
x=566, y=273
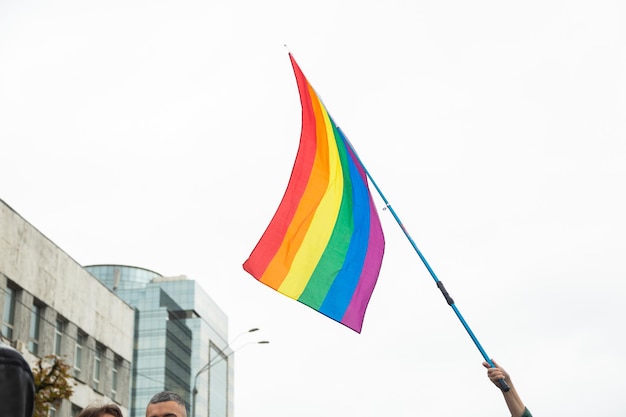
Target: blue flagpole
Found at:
x=503, y=385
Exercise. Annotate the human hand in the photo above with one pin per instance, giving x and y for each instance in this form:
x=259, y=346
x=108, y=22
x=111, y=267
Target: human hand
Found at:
x=497, y=373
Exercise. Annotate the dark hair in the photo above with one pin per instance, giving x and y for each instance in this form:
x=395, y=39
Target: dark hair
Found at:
x=165, y=396
x=93, y=411
x=17, y=388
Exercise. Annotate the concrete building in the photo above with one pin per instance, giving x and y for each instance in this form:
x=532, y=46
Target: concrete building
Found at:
x=51, y=305
x=181, y=340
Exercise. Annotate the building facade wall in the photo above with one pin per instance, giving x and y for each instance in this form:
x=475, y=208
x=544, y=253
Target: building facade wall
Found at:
x=44, y=278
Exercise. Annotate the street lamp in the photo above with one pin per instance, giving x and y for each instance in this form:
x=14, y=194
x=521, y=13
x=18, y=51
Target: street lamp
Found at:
x=252, y=330
x=215, y=360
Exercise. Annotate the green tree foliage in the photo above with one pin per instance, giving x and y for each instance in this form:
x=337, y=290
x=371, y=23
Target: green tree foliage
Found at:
x=53, y=383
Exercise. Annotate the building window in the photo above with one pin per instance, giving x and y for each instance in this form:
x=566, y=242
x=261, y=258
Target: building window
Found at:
x=78, y=352
x=58, y=336
x=8, y=315
x=33, y=332
x=76, y=410
x=52, y=412
x=114, y=376
x=97, y=365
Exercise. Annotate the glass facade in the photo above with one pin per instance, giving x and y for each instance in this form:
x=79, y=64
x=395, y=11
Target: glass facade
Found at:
x=178, y=330
x=218, y=383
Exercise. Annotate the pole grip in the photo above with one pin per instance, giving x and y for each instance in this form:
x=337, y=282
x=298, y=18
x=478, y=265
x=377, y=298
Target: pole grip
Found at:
x=443, y=290
x=503, y=385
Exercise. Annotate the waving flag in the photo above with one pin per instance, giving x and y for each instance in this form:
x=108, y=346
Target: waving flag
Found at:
x=324, y=246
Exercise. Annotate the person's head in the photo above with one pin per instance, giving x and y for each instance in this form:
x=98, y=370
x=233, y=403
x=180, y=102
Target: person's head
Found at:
x=109, y=410
x=166, y=404
x=17, y=387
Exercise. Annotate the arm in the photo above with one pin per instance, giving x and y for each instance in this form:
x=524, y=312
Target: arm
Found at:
x=512, y=398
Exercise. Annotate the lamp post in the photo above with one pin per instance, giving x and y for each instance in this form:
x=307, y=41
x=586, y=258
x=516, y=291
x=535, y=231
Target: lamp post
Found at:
x=215, y=360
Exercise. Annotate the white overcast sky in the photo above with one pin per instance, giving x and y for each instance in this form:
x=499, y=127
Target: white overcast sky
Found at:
x=161, y=134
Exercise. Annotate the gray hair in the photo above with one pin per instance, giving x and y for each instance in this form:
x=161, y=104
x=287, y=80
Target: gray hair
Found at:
x=165, y=396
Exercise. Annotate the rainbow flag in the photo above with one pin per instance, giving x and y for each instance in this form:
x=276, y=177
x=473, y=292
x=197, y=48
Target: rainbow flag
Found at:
x=324, y=246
